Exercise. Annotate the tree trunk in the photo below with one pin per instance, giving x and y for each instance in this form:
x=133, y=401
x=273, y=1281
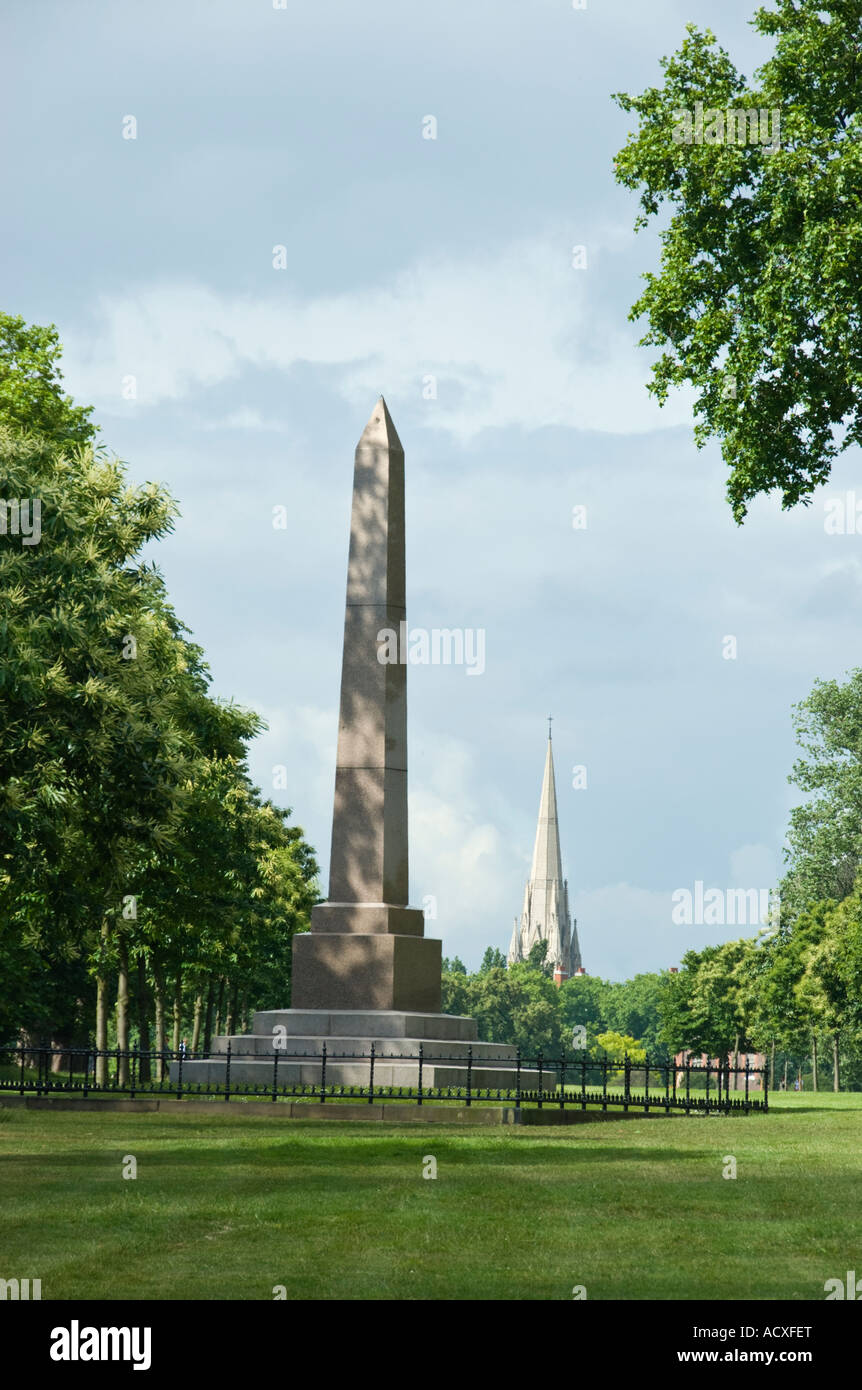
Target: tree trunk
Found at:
x=178, y=1009
x=196, y=1026
x=208, y=1021
x=836, y=1075
x=231, y=1009
x=144, y=1071
x=159, y=996
x=219, y=1007
x=122, y=1010
x=814, y=1061
x=785, y=1071
x=102, y=1010
x=243, y=1013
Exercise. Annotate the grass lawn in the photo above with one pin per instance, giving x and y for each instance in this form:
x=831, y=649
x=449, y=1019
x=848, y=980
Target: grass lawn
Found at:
x=231, y=1205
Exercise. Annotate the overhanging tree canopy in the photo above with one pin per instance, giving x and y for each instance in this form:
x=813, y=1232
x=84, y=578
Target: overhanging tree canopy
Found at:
x=757, y=302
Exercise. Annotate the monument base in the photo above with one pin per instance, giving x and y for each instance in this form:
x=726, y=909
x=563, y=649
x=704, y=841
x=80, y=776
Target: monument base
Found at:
x=366, y=970
x=286, y=1046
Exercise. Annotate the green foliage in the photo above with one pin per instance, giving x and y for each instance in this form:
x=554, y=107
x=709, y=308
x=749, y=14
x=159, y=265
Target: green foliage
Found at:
x=704, y=1007
x=756, y=304
x=522, y=1006
x=612, y=1044
x=31, y=395
x=492, y=958
x=825, y=835
x=129, y=829
x=537, y=958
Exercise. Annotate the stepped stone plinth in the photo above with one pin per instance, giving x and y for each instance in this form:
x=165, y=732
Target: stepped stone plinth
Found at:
x=287, y=1045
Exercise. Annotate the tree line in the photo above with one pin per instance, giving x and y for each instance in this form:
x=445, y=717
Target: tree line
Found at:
x=146, y=886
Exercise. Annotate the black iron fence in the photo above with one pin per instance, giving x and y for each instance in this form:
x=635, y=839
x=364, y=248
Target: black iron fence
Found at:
x=565, y=1082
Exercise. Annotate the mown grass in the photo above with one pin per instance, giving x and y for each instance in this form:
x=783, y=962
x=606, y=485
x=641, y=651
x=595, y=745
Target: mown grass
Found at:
x=232, y=1205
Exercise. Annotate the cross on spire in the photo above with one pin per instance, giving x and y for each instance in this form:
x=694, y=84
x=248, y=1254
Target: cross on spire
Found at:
x=550, y=722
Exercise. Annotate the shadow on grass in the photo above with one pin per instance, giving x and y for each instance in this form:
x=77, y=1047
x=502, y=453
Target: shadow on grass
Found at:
x=312, y=1154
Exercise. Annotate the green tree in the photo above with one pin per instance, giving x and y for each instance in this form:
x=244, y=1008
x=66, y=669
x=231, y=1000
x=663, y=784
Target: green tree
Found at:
x=31, y=393
x=703, y=1007
x=633, y=1006
x=493, y=957
x=584, y=1004
x=122, y=782
x=756, y=304
x=618, y=1046
x=824, y=841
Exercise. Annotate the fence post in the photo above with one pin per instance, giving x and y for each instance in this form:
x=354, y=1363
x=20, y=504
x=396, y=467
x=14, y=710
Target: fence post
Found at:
x=518, y=1082
x=583, y=1083
x=667, y=1087
x=274, y=1071
x=687, y=1083
x=323, y=1074
x=134, y=1060
x=746, y=1083
x=419, y=1097
x=646, y=1083
x=627, y=1079
x=227, y=1074
x=371, y=1076
x=563, y=1079
x=707, y=1085
x=539, y=1060
x=180, y=1077
x=604, y=1082
x=765, y=1075
x=469, y=1075
x=87, y=1071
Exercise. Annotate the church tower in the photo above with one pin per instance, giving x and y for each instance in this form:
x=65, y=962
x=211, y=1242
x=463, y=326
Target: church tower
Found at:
x=545, y=915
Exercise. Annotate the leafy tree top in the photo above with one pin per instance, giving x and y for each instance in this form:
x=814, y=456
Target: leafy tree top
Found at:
x=756, y=304
x=31, y=393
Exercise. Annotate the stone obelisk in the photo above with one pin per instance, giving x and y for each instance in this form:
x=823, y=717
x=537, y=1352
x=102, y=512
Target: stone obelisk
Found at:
x=366, y=981
x=367, y=948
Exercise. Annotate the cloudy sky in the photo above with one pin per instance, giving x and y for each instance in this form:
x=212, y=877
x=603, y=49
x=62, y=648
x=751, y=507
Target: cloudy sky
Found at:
x=406, y=258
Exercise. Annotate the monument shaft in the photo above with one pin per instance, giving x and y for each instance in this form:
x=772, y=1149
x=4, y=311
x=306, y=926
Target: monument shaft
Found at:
x=366, y=948
x=369, y=861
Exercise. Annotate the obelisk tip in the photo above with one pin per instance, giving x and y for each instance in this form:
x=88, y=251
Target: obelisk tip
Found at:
x=380, y=430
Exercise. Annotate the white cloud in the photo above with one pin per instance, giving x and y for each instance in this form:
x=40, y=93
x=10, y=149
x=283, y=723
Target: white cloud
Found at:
x=512, y=336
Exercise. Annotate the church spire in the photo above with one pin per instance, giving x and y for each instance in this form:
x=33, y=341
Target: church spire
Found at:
x=547, y=860
x=545, y=915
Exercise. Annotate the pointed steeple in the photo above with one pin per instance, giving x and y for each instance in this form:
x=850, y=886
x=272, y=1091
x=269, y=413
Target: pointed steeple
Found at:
x=545, y=914
x=547, y=860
